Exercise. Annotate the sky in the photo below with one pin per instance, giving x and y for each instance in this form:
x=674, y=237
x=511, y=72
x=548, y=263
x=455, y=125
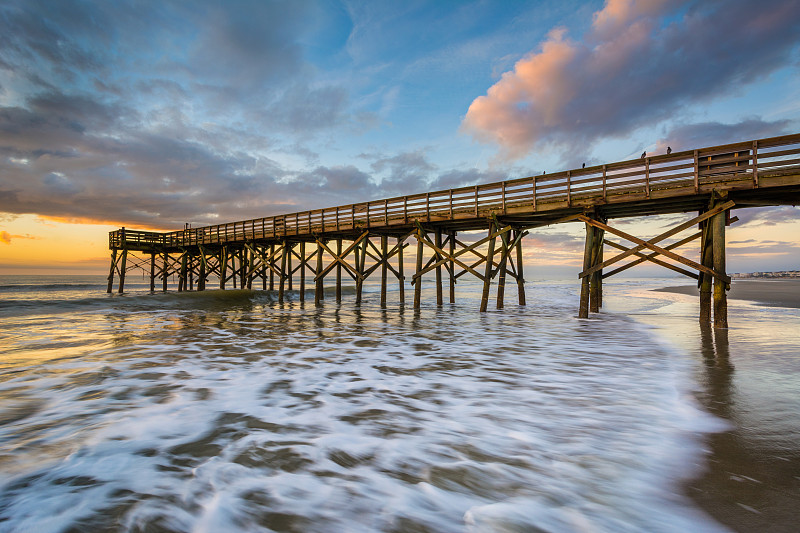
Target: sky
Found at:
x=154, y=114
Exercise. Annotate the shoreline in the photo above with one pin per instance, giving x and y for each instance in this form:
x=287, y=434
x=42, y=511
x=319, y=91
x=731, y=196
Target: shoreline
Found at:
x=772, y=293
x=745, y=376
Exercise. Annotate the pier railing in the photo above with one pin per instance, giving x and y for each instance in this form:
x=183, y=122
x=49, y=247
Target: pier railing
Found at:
x=738, y=165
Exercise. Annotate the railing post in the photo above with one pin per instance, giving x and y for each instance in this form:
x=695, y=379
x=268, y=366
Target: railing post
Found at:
x=755, y=164
x=428, y=206
x=647, y=177
x=503, y=187
x=476, y=200
x=696, y=173
x=604, y=182
x=533, y=192
x=569, y=188
x=451, y=204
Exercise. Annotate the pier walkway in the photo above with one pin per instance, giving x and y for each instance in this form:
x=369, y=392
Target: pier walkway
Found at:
x=312, y=245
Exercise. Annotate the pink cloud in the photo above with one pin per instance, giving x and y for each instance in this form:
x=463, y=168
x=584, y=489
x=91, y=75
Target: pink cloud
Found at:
x=640, y=62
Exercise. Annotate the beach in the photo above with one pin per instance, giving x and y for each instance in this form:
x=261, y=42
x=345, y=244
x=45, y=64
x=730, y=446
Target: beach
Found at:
x=230, y=411
x=775, y=292
x=750, y=378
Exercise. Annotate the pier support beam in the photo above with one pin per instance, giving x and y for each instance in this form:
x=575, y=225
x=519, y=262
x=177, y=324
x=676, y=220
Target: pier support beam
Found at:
x=111, y=270
x=720, y=285
x=583, y=309
x=518, y=234
x=152, y=271
x=487, y=277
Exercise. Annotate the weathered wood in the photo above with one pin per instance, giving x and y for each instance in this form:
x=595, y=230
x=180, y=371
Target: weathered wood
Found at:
x=596, y=277
x=360, y=261
x=501, y=277
x=283, y=276
x=152, y=272
x=165, y=273
x=583, y=309
x=451, y=265
x=319, y=278
x=223, y=268
x=111, y=270
x=338, y=271
x=487, y=278
x=201, y=279
x=401, y=275
x=648, y=244
x=652, y=258
x=704, y=280
x=303, y=265
x=417, y=280
x=289, y=284
x=520, y=272
x=384, y=268
x=720, y=285
x=122, y=269
x=439, y=296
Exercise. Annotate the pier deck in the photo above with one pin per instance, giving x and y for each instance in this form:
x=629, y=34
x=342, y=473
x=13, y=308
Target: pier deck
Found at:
x=712, y=180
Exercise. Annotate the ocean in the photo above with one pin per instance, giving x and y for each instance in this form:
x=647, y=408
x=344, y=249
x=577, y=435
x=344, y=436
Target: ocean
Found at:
x=227, y=411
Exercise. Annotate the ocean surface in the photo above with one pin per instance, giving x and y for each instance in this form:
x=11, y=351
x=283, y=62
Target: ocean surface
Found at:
x=226, y=411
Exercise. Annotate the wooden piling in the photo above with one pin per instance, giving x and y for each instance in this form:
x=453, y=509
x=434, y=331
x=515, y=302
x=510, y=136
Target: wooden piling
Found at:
x=303, y=264
x=318, y=288
x=583, y=309
x=201, y=281
x=339, y=271
x=223, y=267
x=705, y=280
x=452, y=269
x=123, y=267
x=272, y=267
x=111, y=270
x=384, y=268
x=418, y=281
x=360, y=259
x=720, y=286
x=289, y=280
x=520, y=275
x=487, y=280
x=439, y=297
x=281, y=286
x=152, y=272
x=595, y=280
x=502, y=268
x=165, y=273
x=402, y=279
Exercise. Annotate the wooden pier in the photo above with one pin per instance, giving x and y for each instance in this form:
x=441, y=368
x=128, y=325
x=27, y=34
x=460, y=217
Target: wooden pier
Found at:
x=362, y=239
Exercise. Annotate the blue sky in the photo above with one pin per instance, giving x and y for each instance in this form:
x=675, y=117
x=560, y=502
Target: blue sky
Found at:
x=152, y=114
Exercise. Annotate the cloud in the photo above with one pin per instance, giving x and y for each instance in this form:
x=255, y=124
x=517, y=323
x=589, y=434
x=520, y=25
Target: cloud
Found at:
x=639, y=63
x=689, y=136
x=5, y=237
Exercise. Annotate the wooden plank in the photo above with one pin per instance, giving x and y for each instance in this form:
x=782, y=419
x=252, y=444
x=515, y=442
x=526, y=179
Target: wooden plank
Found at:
x=487, y=278
x=652, y=257
x=648, y=244
x=658, y=238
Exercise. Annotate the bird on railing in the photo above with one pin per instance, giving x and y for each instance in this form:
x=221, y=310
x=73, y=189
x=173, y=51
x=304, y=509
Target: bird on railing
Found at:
x=583, y=166
x=644, y=154
x=669, y=150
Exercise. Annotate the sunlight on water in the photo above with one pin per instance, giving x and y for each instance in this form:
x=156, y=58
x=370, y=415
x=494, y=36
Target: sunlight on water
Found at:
x=230, y=412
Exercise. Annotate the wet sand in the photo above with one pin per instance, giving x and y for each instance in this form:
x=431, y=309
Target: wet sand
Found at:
x=778, y=292
x=750, y=378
